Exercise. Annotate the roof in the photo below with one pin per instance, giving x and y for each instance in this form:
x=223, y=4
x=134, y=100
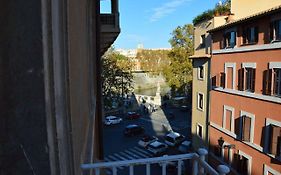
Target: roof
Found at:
x=156, y=144
x=251, y=17
x=173, y=134
x=132, y=126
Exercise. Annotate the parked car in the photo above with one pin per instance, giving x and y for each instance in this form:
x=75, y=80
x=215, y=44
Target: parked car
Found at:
x=184, y=108
x=174, y=139
x=157, y=148
x=184, y=147
x=133, y=115
x=146, y=140
x=133, y=129
x=111, y=120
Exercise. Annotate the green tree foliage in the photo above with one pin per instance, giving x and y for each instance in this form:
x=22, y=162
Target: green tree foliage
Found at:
x=153, y=60
x=219, y=9
x=117, y=77
x=179, y=72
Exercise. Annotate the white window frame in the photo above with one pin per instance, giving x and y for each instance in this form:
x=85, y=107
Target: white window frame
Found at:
x=197, y=130
x=267, y=169
x=198, y=72
x=198, y=101
x=247, y=65
x=233, y=66
x=249, y=159
x=231, y=109
x=252, y=130
x=268, y=122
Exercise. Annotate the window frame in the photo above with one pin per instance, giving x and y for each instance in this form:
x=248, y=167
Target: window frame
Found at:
x=197, y=130
x=243, y=76
x=241, y=153
x=268, y=122
x=199, y=72
x=198, y=101
x=227, y=37
x=203, y=40
x=233, y=66
x=267, y=169
x=228, y=108
x=273, y=28
x=250, y=35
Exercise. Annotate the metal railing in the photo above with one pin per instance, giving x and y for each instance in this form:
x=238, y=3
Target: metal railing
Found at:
x=199, y=165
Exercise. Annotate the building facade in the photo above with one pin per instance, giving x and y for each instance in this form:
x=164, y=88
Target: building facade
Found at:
x=50, y=90
x=201, y=81
x=245, y=103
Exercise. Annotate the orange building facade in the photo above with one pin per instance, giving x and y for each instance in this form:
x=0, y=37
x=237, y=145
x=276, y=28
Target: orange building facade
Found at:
x=245, y=100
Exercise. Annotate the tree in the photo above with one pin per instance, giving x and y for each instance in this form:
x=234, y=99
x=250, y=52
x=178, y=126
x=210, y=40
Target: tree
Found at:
x=179, y=72
x=153, y=60
x=117, y=77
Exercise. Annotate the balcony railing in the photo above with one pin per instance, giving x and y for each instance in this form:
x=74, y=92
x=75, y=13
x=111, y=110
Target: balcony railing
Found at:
x=199, y=165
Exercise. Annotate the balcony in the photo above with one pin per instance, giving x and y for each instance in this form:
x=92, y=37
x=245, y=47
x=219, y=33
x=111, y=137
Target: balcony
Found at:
x=110, y=27
x=199, y=165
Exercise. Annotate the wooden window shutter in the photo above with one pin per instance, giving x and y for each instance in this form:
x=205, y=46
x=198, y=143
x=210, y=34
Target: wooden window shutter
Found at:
x=244, y=36
x=214, y=81
x=267, y=77
x=271, y=31
x=256, y=34
x=253, y=80
x=246, y=132
x=244, y=165
x=241, y=79
x=222, y=82
x=279, y=146
x=275, y=133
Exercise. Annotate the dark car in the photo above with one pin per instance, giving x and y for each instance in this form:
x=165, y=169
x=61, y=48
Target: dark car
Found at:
x=132, y=130
x=132, y=115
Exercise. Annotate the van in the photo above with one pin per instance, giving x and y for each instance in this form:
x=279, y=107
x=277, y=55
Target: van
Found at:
x=174, y=139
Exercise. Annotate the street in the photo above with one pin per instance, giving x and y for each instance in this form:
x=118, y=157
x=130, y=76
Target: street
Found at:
x=118, y=147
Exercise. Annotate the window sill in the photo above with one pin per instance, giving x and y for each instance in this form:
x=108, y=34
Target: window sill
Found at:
x=231, y=134
x=249, y=94
x=249, y=48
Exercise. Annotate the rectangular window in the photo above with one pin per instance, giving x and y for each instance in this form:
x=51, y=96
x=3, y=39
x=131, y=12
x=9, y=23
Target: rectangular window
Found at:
x=275, y=30
x=202, y=40
x=200, y=131
x=241, y=164
x=200, y=72
x=246, y=79
x=277, y=82
x=250, y=35
x=200, y=101
x=250, y=79
x=275, y=140
x=229, y=39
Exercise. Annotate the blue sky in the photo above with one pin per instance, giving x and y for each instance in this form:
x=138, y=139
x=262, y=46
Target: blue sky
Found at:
x=151, y=22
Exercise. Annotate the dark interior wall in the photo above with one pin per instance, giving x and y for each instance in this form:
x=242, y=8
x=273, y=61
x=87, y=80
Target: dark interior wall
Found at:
x=22, y=87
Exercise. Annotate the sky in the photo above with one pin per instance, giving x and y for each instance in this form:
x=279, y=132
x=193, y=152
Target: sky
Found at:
x=151, y=22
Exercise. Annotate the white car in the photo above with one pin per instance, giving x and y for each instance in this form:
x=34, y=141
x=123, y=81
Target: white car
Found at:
x=111, y=120
x=146, y=140
x=157, y=148
x=174, y=138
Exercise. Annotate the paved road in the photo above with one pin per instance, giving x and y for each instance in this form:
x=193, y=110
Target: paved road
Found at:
x=119, y=147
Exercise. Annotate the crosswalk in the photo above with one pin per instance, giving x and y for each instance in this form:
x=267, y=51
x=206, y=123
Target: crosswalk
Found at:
x=128, y=154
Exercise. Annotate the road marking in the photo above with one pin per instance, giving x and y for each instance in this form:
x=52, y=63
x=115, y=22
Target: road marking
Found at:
x=133, y=154
x=126, y=155
x=120, y=157
x=139, y=154
x=144, y=152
